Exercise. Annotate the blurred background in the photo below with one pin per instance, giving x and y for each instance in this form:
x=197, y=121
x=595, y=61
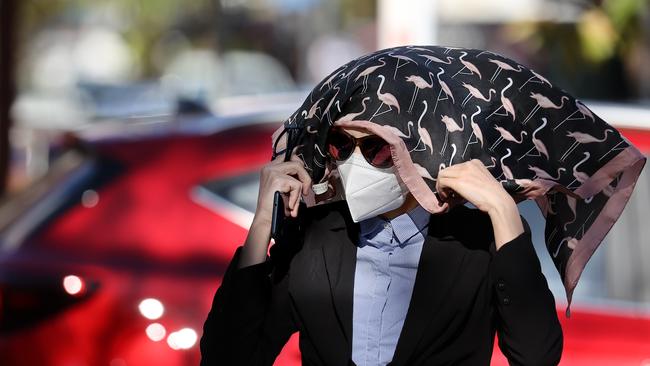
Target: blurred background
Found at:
x=126, y=185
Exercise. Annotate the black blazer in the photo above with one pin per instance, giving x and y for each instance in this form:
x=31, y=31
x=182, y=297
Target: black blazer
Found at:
x=464, y=291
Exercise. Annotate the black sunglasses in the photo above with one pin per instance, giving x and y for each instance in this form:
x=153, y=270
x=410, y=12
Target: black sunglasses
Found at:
x=375, y=150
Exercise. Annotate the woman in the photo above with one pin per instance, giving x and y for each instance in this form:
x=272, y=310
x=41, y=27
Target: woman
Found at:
x=401, y=272
x=494, y=288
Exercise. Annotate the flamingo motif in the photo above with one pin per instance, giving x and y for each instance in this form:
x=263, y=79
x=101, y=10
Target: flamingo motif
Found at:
x=450, y=126
x=449, y=49
x=312, y=111
x=399, y=58
x=494, y=163
x=467, y=65
x=329, y=105
x=539, y=172
x=475, y=93
x=419, y=83
x=328, y=82
x=486, y=52
x=443, y=88
x=316, y=162
x=583, y=110
x=582, y=138
x=572, y=202
x=505, y=104
x=616, y=147
x=424, y=134
x=435, y=59
x=537, y=143
x=506, y=135
x=351, y=116
x=537, y=79
x=369, y=70
x=502, y=66
x=543, y=102
x=571, y=243
x=578, y=175
x=385, y=98
x=504, y=168
x=453, y=154
x=476, y=131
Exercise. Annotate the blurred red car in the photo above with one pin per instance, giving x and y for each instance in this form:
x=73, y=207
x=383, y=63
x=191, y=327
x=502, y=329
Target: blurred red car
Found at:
x=113, y=258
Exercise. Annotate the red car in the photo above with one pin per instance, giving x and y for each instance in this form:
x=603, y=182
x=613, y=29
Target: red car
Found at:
x=113, y=258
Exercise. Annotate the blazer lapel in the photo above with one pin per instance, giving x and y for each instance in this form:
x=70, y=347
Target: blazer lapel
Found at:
x=340, y=255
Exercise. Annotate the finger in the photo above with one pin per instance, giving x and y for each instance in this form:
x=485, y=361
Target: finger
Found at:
x=306, y=185
x=294, y=212
x=291, y=190
x=442, y=187
x=445, y=187
x=294, y=195
x=287, y=209
x=456, y=170
x=297, y=168
x=438, y=197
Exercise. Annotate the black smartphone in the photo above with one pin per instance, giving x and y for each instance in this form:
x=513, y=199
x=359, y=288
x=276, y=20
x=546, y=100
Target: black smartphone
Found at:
x=278, y=217
x=284, y=226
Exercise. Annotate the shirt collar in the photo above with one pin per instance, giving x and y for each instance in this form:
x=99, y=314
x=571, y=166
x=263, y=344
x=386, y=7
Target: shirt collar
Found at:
x=403, y=226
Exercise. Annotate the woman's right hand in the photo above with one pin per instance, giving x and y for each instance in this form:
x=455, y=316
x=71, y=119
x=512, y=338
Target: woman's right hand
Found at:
x=290, y=178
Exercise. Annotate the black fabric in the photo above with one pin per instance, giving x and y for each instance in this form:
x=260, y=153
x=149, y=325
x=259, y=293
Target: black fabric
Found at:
x=465, y=291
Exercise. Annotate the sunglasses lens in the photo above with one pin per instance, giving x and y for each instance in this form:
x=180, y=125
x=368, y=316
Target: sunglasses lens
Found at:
x=339, y=145
x=377, y=151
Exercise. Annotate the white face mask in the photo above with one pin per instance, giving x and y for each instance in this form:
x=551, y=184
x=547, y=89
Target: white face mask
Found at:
x=370, y=191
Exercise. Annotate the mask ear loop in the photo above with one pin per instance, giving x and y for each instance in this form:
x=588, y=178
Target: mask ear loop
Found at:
x=275, y=153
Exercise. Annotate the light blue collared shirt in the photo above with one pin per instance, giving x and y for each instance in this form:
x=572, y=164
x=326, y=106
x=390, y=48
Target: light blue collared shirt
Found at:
x=387, y=261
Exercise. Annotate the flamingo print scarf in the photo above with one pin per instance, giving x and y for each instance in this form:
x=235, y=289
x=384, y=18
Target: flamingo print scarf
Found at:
x=439, y=106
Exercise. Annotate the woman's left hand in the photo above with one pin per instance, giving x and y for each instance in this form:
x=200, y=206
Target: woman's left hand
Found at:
x=471, y=181
x=474, y=183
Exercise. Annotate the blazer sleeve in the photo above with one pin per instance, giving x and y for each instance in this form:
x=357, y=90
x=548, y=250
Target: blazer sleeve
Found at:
x=528, y=327
x=250, y=319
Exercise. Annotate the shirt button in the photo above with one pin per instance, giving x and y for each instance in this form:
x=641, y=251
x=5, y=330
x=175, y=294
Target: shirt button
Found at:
x=386, y=225
x=501, y=286
x=506, y=301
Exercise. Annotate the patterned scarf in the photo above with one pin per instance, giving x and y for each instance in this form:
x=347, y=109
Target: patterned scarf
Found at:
x=439, y=106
